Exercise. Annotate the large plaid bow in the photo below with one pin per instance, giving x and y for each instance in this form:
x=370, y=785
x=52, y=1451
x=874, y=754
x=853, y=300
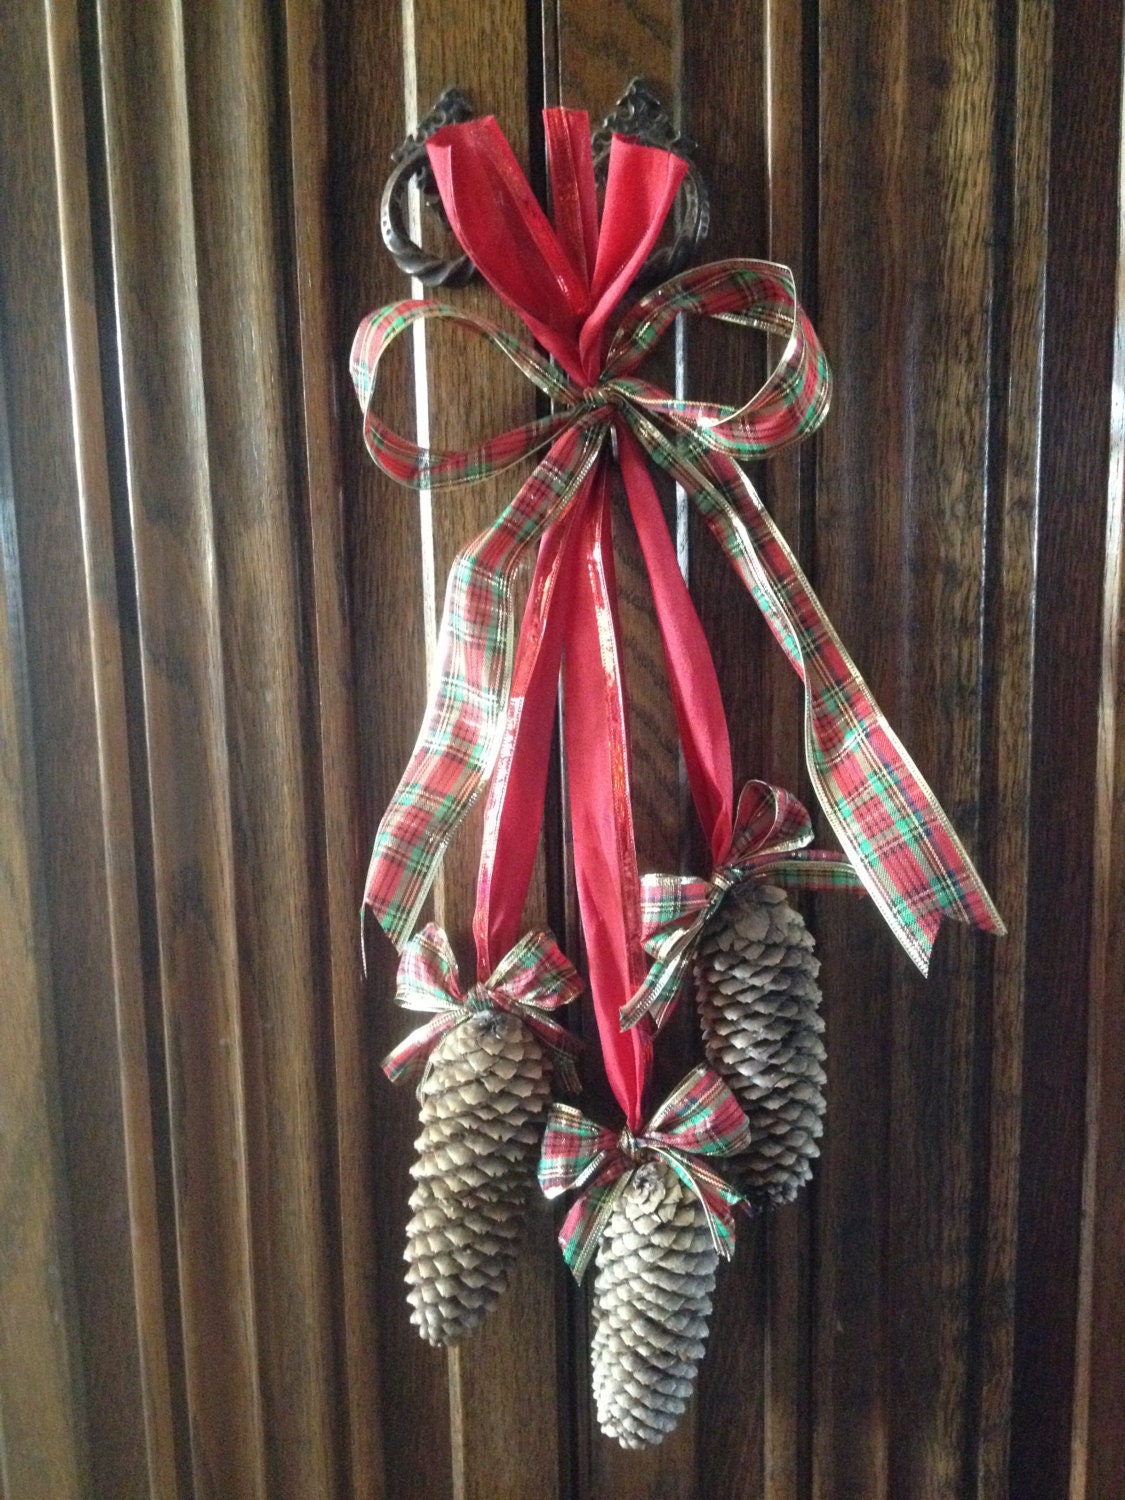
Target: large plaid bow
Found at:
x=886, y=818
x=700, y=1118
x=533, y=979
x=771, y=834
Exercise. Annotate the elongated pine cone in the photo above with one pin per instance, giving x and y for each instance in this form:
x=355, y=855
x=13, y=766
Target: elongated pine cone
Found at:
x=755, y=984
x=484, y=1105
x=652, y=1298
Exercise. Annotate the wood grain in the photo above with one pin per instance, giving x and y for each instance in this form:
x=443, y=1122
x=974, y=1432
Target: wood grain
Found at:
x=165, y=422
x=1068, y=845
x=43, y=1433
x=861, y=310
x=213, y=660
x=318, y=407
x=62, y=511
x=228, y=54
x=383, y=558
x=1024, y=61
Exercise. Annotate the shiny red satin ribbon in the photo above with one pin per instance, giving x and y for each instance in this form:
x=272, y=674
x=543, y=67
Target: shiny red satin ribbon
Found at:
x=567, y=293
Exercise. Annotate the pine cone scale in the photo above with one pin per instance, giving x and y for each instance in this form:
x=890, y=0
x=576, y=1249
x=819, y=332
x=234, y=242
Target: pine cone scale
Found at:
x=484, y=1102
x=755, y=980
x=652, y=1298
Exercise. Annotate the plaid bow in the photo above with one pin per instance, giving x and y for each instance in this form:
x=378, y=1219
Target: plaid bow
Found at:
x=771, y=832
x=535, y=977
x=701, y=1117
x=886, y=818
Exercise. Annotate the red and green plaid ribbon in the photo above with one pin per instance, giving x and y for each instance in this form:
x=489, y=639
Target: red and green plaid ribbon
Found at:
x=770, y=841
x=700, y=1118
x=533, y=979
x=887, y=820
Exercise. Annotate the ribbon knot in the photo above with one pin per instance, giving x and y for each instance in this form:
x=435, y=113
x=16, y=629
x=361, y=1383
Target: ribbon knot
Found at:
x=605, y=394
x=532, y=980
x=700, y=1118
x=769, y=842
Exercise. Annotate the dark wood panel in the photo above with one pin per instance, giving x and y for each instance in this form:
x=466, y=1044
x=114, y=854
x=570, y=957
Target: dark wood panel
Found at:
x=66, y=549
x=382, y=537
x=1023, y=125
x=321, y=401
x=43, y=1449
x=232, y=105
x=1064, y=797
x=907, y=98
x=213, y=665
x=861, y=310
x=165, y=423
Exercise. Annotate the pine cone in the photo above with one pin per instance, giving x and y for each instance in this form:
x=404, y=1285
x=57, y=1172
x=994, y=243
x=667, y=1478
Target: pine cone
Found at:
x=484, y=1105
x=652, y=1298
x=755, y=979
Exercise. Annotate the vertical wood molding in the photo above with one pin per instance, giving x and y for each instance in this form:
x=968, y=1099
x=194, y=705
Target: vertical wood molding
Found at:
x=1097, y=1459
x=42, y=1422
x=1068, y=848
x=218, y=616
x=60, y=506
x=1023, y=145
x=321, y=405
x=241, y=254
x=171, y=500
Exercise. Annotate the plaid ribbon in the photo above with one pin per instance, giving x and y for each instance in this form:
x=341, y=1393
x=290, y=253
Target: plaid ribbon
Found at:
x=700, y=1118
x=771, y=834
x=887, y=820
x=533, y=979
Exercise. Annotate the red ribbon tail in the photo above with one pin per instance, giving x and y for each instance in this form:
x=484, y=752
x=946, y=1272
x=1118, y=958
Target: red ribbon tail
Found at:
x=605, y=857
x=696, y=698
x=514, y=810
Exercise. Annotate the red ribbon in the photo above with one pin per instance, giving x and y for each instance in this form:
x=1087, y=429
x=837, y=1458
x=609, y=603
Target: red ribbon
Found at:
x=566, y=284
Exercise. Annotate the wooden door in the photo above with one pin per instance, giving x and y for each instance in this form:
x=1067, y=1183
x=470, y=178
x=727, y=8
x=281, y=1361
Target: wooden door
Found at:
x=213, y=661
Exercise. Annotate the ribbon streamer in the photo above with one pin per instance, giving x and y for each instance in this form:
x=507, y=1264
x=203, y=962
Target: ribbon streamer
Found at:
x=700, y=1118
x=532, y=980
x=771, y=834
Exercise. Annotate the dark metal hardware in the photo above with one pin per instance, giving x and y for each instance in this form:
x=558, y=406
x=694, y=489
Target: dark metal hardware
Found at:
x=411, y=162
x=638, y=113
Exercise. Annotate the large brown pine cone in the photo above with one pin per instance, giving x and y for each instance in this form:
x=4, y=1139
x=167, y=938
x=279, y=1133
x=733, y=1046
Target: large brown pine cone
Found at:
x=484, y=1105
x=755, y=984
x=652, y=1298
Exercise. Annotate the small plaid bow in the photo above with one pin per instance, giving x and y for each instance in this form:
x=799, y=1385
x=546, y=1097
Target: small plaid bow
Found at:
x=535, y=977
x=770, y=838
x=701, y=1117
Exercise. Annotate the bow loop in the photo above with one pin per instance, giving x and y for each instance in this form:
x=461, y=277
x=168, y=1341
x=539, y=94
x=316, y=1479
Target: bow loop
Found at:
x=771, y=832
x=700, y=1118
x=532, y=980
x=427, y=976
x=534, y=972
